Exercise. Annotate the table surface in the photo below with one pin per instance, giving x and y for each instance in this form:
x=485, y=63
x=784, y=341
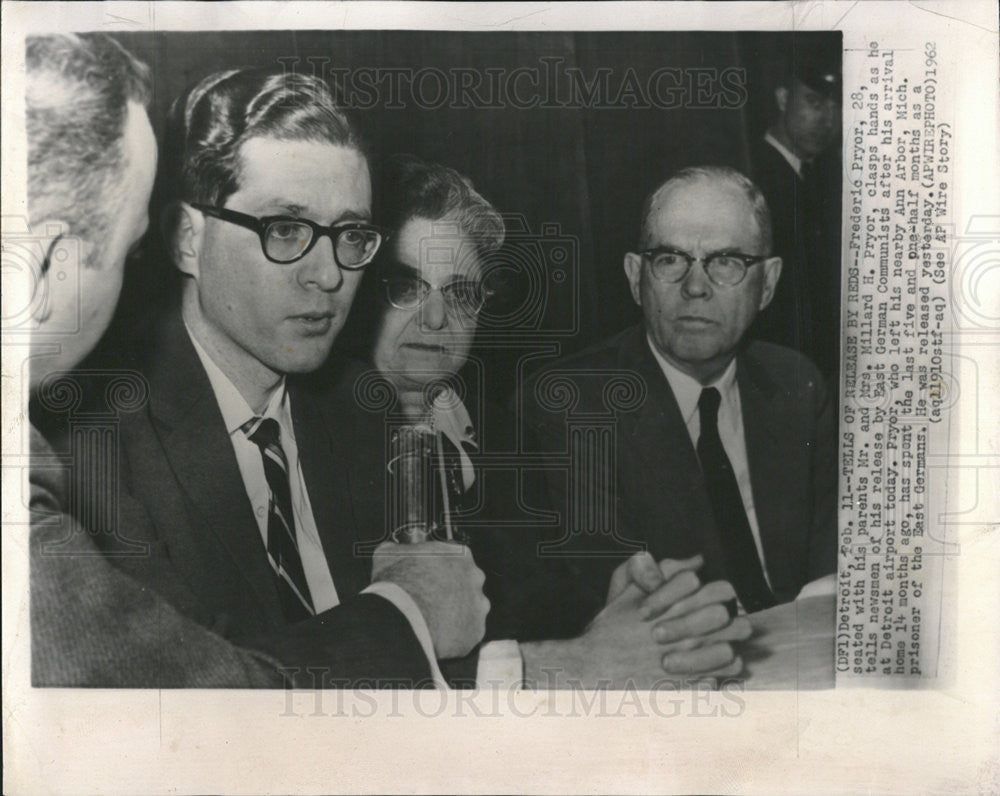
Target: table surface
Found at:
x=792, y=646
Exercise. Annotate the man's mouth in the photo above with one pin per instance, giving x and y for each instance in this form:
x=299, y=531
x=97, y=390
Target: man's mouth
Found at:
x=695, y=321
x=315, y=322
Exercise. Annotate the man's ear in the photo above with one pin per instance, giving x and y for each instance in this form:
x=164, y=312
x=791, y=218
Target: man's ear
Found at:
x=781, y=97
x=183, y=227
x=633, y=272
x=772, y=272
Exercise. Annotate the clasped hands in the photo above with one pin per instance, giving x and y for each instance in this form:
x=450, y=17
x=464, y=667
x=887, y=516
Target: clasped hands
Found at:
x=660, y=625
x=689, y=623
x=660, y=628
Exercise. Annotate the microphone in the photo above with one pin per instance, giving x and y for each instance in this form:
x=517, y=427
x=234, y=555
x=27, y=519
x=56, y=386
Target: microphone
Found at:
x=411, y=484
x=422, y=492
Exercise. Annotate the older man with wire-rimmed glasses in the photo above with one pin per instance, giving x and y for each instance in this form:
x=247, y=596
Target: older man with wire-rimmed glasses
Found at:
x=730, y=451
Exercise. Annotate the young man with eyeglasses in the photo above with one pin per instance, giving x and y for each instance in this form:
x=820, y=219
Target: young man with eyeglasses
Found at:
x=729, y=449
x=246, y=483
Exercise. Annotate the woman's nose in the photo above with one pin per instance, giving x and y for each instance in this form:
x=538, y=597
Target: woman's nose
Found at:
x=434, y=312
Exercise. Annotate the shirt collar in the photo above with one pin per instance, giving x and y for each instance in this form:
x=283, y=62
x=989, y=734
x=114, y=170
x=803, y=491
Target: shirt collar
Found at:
x=793, y=160
x=235, y=410
x=687, y=390
x=452, y=419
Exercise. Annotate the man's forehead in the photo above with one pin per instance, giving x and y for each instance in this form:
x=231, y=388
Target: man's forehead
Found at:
x=301, y=175
x=702, y=202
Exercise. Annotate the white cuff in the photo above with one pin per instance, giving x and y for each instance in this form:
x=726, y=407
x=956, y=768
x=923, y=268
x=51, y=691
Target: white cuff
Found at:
x=500, y=665
x=821, y=587
x=404, y=602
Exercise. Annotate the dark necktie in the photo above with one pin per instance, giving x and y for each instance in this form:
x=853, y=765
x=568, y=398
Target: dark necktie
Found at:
x=282, y=546
x=739, y=551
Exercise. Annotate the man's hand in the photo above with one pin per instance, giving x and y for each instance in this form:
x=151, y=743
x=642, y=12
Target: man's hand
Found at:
x=447, y=587
x=682, y=606
x=619, y=649
x=689, y=651
x=642, y=570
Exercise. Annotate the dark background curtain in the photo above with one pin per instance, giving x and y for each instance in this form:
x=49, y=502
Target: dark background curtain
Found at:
x=570, y=172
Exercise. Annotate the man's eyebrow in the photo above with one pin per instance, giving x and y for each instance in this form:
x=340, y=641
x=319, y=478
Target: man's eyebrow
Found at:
x=301, y=211
x=669, y=247
x=288, y=208
x=353, y=215
x=713, y=253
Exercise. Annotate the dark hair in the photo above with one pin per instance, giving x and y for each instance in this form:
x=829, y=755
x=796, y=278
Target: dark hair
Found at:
x=211, y=121
x=78, y=90
x=413, y=188
x=721, y=174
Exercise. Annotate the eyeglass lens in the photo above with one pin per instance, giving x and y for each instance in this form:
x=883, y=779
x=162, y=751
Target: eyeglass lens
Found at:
x=408, y=293
x=722, y=269
x=285, y=241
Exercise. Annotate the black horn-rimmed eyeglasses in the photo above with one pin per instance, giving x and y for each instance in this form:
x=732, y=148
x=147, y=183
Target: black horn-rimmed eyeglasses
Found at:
x=286, y=239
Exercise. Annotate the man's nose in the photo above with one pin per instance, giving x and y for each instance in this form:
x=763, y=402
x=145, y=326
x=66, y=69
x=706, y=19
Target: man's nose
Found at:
x=434, y=312
x=319, y=268
x=696, y=283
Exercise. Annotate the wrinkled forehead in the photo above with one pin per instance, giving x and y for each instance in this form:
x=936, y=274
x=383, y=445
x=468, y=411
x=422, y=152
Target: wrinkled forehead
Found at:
x=438, y=249
x=703, y=213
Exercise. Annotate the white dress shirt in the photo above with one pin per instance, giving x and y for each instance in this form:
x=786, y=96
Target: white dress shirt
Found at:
x=235, y=413
x=687, y=391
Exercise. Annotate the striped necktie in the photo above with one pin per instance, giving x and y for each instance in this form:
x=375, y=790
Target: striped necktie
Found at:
x=282, y=546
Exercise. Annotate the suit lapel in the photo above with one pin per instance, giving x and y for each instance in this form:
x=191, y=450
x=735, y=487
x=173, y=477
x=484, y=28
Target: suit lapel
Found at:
x=201, y=456
x=325, y=459
x=660, y=419
x=675, y=484
x=768, y=452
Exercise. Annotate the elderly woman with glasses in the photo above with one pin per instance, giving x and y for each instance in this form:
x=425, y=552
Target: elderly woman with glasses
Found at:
x=432, y=278
x=431, y=285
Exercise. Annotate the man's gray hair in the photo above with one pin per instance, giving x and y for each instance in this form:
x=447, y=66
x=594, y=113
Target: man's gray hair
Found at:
x=78, y=90
x=719, y=174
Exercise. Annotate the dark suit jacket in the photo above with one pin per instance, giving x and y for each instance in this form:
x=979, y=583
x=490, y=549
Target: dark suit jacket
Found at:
x=92, y=625
x=205, y=552
x=655, y=486
x=805, y=219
